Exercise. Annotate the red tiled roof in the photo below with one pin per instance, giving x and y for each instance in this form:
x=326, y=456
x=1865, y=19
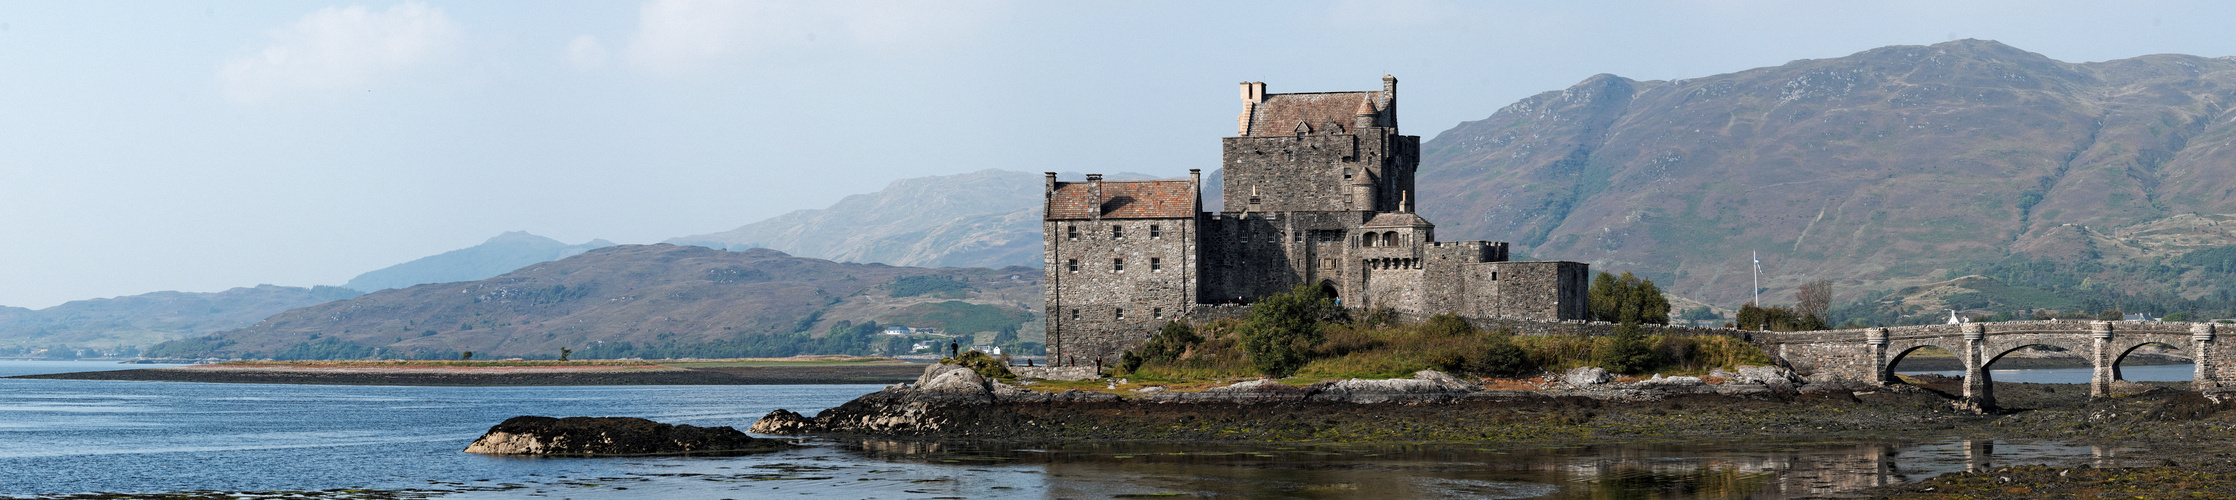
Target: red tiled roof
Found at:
x=1123, y=200
x=1280, y=113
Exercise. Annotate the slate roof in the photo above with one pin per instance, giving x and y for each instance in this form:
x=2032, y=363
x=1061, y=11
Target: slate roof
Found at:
x=1123, y=200
x=1398, y=219
x=1280, y=113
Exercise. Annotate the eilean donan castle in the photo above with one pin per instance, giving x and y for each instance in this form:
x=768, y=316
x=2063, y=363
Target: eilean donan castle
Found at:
x=1318, y=189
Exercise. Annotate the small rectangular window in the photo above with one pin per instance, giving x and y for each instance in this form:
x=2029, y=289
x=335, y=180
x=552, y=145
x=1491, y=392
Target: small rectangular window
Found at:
x=1117, y=232
x=1156, y=264
x=1075, y=314
x=1157, y=313
x=1073, y=264
x=1118, y=265
x=1155, y=232
x=1121, y=313
x=1071, y=232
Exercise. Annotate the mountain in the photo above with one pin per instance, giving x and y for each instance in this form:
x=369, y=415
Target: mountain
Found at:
x=988, y=218
x=146, y=319
x=646, y=300
x=503, y=253
x=1889, y=168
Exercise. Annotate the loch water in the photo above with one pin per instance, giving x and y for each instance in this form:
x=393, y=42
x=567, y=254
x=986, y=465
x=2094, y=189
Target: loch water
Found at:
x=68, y=436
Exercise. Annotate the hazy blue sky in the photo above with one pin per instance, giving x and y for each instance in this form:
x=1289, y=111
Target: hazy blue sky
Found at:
x=199, y=146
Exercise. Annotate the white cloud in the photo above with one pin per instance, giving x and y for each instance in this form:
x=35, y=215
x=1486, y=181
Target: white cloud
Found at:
x=341, y=48
x=682, y=35
x=585, y=53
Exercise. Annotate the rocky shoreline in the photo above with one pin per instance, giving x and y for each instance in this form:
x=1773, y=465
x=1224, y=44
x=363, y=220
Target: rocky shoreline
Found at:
x=951, y=403
x=881, y=373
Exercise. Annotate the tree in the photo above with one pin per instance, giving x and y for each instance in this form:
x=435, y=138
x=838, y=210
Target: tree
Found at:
x=1814, y=299
x=1282, y=329
x=564, y=352
x=1627, y=298
x=466, y=355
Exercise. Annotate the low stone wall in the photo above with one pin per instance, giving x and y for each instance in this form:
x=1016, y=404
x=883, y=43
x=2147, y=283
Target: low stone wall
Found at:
x=1520, y=326
x=1056, y=372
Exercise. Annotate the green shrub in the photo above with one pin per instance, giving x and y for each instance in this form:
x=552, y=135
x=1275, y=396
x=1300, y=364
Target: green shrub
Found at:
x=1629, y=352
x=1282, y=330
x=986, y=366
x=1499, y=357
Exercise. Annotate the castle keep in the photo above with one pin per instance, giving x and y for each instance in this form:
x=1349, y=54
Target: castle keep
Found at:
x=1318, y=189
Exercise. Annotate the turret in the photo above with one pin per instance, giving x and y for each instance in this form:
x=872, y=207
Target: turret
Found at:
x=1362, y=192
x=1364, y=117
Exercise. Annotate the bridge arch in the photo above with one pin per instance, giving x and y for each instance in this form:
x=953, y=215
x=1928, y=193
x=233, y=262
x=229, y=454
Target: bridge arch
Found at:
x=1895, y=355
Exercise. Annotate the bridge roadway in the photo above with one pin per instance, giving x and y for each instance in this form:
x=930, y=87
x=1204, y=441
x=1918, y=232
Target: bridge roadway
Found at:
x=1870, y=354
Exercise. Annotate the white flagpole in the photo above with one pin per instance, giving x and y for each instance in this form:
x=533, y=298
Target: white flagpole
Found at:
x=1757, y=291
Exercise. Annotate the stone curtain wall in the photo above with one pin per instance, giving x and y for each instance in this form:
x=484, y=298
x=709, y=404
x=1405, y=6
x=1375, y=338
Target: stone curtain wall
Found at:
x=1083, y=317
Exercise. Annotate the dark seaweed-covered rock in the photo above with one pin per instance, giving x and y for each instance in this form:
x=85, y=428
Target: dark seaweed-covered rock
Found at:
x=611, y=436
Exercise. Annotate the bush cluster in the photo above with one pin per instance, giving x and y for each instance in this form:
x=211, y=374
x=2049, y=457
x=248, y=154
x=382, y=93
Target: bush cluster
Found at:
x=986, y=366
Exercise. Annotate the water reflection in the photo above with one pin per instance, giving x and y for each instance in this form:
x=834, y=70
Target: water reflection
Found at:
x=1715, y=470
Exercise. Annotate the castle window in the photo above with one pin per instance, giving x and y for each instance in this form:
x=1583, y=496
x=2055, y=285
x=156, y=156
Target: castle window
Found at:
x=1494, y=275
x=1073, y=264
x=1117, y=232
x=1157, y=313
x=1071, y=232
x=1346, y=172
x=1366, y=240
x=1389, y=239
x=1121, y=313
x=1156, y=264
x=1075, y=314
x=1154, y=232
x=1118, y=265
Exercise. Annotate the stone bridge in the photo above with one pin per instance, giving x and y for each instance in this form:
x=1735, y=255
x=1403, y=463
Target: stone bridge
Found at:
x=1870, y=354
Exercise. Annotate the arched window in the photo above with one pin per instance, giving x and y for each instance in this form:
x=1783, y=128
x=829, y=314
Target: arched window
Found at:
x=1366, y=240
x=1389, y=239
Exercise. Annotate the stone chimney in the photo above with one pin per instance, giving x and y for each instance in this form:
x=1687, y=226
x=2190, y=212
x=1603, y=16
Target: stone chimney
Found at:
x=1195, y=188
x=1048, y=195
x=1252, y=94
x=1094, y=189
x=1389, y=101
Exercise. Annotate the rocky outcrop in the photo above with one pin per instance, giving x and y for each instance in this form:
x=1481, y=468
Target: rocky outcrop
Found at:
x=612, y=436
x=952, y=401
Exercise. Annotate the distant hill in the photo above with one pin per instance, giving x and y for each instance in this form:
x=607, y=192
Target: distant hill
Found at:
x=1890, y=168
x=147, y=319
x=648, y=301
x=501, y=254
x=988, y=218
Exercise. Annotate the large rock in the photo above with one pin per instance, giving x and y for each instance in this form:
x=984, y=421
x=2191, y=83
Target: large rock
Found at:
x=612, y=436
x=1426, y=386
x=1770, y=376
x=1585, y=376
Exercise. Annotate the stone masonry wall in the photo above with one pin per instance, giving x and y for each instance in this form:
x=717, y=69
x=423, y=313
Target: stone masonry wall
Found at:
x=1098, y=308
x=1307, y=173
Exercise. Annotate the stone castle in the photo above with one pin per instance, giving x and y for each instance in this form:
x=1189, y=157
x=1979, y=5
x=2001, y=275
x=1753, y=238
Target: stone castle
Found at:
x=1318, y=189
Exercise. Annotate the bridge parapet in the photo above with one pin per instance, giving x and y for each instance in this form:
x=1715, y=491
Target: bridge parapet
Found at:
x=1870, y=354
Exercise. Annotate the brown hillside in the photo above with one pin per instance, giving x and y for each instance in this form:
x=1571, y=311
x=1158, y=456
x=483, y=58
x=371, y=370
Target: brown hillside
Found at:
x=1891, y=167
x=639, y=294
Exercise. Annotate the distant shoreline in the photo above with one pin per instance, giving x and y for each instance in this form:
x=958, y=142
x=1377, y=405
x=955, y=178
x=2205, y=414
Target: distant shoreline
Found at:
x=635, y=374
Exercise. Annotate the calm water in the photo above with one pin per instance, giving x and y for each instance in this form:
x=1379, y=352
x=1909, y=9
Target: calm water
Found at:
x=2149, y=373
x=59, y=436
